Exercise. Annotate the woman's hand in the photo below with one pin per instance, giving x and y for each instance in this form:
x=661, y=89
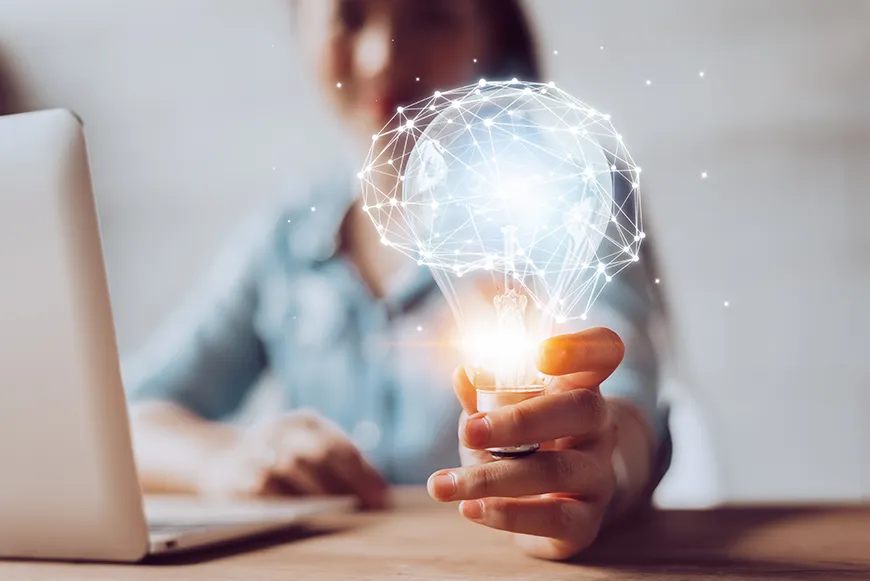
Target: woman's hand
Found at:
x=556, y=498
x=299, y=453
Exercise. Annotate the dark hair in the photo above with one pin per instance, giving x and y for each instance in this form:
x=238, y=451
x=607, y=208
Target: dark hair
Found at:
x=516, y=53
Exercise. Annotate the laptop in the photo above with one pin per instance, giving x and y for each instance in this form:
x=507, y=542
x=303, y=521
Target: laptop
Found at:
x=68, y=483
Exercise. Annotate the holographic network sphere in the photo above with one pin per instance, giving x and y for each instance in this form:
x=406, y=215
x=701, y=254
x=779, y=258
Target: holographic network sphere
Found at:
x=515, y=180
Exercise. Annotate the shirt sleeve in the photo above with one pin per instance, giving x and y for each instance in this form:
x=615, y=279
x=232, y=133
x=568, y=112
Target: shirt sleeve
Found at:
x=208, y=354
x=630, y=307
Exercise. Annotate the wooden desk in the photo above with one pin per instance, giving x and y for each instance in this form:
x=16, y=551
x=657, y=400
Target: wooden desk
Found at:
x=423, y=540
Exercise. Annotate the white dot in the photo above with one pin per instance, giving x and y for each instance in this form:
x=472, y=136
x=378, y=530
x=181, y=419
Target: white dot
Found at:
x=375, y=137
x=584, y=316
x=601, y=267
x=703, y=175
x=419, y=329
x=551, y=84
x=643, y=234
x=727, y=304
x=635, y=258
x=514, y=80
x=658, y=280
x=474, y=60
x=488, y=122
x=608, y=278
x=393, y=201
x=619, y=137
x=637, y=238
x=437, y=94
x=635, y=185
x=482, y=82
x=648, y=83
x=365, y=208
x=637, y=169
x=555, y=52
x=390, y=161
x=613, y=168
x=313, y=209
x=399, y=109
x=417, y=79
x=338, y=85
x=359, y=175
x=702, y=74
x=601, y=47
x=627, y=249
x=273, y=168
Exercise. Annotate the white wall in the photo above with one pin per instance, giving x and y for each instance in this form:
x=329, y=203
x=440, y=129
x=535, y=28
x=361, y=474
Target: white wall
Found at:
x=190, y=105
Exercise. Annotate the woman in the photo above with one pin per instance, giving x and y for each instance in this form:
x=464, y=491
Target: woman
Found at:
x=339, y=319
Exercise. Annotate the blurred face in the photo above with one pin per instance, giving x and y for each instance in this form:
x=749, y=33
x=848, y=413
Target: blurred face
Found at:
x=378, y=49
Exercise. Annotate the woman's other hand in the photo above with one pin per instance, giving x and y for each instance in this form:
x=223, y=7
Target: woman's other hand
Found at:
x=299, y=453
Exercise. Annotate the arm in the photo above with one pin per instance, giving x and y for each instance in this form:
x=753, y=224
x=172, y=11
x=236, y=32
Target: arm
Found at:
x=631, y=307
x=195, y=371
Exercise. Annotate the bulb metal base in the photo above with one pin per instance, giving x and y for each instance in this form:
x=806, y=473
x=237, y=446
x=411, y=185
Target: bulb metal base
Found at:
x=491, y=398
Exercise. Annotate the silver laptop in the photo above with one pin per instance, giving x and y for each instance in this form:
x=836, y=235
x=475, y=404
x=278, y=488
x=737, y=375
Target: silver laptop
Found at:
x=68, y=486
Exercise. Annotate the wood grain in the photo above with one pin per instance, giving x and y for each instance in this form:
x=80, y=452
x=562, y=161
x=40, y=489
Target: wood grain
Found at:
x=420, y=539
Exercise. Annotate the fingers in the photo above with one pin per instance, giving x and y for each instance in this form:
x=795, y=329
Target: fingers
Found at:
x=465, y=390
x=589, y=356
x=581, y=414
x=568, y=471
x=320, y=459
x=573, y=522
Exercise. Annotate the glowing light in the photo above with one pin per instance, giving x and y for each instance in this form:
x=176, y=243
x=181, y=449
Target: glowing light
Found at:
x=313, y=209
x=417, y=79
x=727, y=304
x=703, y=175
x=658, y=280
x=338, y=85
x=419, y=329
x=702, y=74
x=648, y=83
x=375, y=137
x=488, y=184
x=556, y=52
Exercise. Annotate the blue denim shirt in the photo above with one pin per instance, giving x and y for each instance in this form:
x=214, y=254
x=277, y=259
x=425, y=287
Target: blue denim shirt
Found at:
x=282, y=298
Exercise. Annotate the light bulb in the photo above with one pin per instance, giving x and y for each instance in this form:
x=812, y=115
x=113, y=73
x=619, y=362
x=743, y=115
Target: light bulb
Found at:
x=521, y=235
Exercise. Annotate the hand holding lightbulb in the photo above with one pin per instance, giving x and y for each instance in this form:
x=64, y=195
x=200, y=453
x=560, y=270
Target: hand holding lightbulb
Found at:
x=555, y=499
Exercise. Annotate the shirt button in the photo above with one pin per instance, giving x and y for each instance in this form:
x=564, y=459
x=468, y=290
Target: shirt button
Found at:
x=366, y=435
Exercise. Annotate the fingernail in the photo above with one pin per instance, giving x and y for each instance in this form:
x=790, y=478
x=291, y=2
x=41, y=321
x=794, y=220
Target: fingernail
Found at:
x=477, y=430
x=443, y=485
x=471, y=509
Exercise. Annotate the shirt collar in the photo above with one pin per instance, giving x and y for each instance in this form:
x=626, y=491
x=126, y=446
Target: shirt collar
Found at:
x=315, y=238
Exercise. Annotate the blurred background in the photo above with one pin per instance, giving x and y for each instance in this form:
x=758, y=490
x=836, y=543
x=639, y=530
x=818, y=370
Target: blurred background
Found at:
x=751, y=119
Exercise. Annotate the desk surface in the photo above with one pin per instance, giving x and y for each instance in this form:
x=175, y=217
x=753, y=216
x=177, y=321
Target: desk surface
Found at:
x=423, y=540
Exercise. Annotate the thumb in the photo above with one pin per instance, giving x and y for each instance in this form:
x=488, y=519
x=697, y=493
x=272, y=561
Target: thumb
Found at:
x=465, y=391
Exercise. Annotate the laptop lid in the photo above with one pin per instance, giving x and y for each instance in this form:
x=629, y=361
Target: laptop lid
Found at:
x=68, y=487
